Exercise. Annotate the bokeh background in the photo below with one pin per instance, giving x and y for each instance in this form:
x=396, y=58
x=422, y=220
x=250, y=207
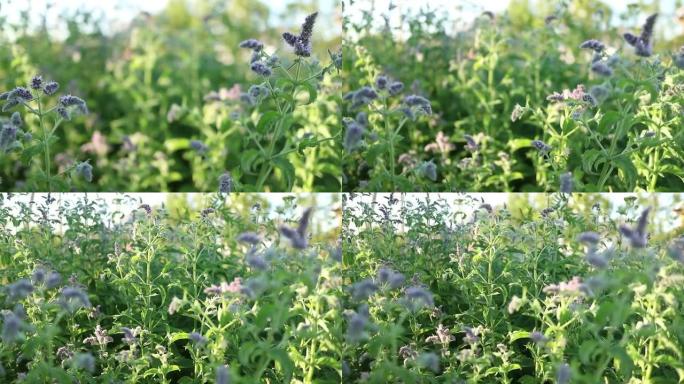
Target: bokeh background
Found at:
x=133, y=61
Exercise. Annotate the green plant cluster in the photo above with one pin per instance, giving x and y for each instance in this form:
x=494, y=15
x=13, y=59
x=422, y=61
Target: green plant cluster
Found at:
x=217, y=294
x=451, y=290
x=173, y=100
x=518, y=99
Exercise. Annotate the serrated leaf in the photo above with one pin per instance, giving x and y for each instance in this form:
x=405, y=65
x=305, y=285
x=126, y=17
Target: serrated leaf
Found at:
x=247, y=159
x=287, y=169
x=267, y=119
x=627, y=170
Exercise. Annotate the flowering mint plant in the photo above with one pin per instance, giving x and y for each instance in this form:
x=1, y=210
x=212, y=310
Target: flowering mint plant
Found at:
x=519, y=100
x=563, y=289
x=35, y=99
x=374, y=133
x=227, y=293
x=268, y=111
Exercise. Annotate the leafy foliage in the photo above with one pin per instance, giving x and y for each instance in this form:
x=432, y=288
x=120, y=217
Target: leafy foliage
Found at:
x=94, y=294
x=562, y=294
x=168, y=101
x=502, y=85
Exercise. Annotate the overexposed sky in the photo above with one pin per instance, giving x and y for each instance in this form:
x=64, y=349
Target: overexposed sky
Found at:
x=129, y=202
x=462, y=12
x=665, y=215
x=118, y=13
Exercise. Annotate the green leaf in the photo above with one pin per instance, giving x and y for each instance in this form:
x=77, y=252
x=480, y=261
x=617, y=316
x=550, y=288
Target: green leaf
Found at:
x=287, y=169
x=247, y=159
x=266, y=120
x=30, y=152
x=627, y=170
x=517, y=335
x=313, y=94
x=175, y=144
x=589, y=160
x=516, y=144
x=624, y=363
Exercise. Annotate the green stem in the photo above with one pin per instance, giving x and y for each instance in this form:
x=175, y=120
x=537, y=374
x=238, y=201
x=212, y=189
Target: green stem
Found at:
x=46, y=144
x=655, y=158
x=390, y=138
x=266, y=170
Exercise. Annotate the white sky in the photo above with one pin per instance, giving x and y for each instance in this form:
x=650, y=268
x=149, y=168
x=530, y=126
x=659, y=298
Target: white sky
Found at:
x=119, y=12
x=666, y=217
x=128, y=202
x=462, y=12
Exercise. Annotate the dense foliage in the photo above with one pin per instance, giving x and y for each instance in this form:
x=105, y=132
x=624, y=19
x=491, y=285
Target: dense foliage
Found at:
x=174, y=101
x=450, y=290
x=234, y=292
x=514, y=101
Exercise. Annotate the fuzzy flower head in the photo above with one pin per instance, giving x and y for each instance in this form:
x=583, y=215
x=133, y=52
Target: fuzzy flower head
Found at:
x=69, y=103
x=602, y=69
x=261, y=68
x=471, y=144
x=429, y=361
x=19, y=290
x=417, y=297
x=197, y=339
x=428, y=170
x=381, y=82
x=518, y=112
x=357, y=323
x=252, y=44
x=222, y=375
x=355, y=131
x=302, y=42
x=363, y=289
x=84, y=361
x=54, y=279
x=99, y=337
x=566, y=182
x=36, y=82
x=418, y=103
x=515, y=304
x=442, y=336
x=85, y=171
x=563, y=374
x=297, y=236
x=678, y=58
x=395, y=88
x=589, y=237
x=73, y=298
x=541, y=146
x=50, y=88
x=249, y=238
x=361, y=97
x=389, y=278
x=175, y=305
x=643, y=44
x=130, y=335
x=12, y=326
x=8, y=137
x=199, y=147
x=637, y=235
x=225, y=183
x=594, y=45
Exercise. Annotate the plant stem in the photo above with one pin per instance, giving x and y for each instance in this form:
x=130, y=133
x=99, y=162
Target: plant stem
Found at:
x=390, y=139
x=266, y=171
x=46, y=144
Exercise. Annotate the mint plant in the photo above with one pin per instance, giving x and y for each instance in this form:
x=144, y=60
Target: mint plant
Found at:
x=35, y=101
x=562, y=288
x=237, y=292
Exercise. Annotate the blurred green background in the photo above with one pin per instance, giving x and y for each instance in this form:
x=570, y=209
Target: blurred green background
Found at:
x=132, y=67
